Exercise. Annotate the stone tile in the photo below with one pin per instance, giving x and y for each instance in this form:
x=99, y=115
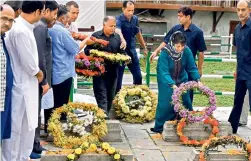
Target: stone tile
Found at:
x=176, y=156
x=148, y=155
x=139, y=143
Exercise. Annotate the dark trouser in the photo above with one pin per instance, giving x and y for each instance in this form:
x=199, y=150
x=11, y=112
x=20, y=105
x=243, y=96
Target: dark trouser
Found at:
x=190, y=91
x=61, y=94
x=36, y=144
x=104, y=87
x=134, y=68
x=241, y=87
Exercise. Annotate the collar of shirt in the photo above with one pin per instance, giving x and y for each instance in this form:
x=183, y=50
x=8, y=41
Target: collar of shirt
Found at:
x=248, y=23
x=26, y=23
x=103, y=34
x=43, y=21
x=191, y=27
x=59, y=23
x=123, y=18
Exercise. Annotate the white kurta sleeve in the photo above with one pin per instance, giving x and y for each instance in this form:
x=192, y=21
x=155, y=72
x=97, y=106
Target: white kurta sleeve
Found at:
x=26, y=55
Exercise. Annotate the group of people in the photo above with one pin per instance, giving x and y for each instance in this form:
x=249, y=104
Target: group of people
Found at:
x=38, y=53
x=176, y=65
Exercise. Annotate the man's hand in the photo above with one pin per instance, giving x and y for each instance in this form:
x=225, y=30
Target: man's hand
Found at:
x=45, y=89
x=154, y=54
x=145, y=52
x=123, y=45
x=235, y=75
x=200, y=72
x=40, y=76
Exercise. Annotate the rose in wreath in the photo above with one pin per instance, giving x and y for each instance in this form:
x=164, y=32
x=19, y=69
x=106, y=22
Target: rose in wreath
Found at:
x=88, y=66
x=135, y=104
x=85, y=122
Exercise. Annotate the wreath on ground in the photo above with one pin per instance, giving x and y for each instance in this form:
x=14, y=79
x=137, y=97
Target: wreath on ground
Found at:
x=85, y=123
x=195, y=143
x=223, y=141
x=112, y=57
x=135, y=104
x=89, y=66
x=193, y=116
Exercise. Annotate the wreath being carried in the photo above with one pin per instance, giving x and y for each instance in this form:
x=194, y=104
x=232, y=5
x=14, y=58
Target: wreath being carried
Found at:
x=89, y=66
x=193, y=116
x=135, y=104
x=85, y=123
x=112, y=57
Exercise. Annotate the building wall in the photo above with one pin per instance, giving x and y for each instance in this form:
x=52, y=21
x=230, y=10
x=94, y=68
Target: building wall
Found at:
x=202, y=19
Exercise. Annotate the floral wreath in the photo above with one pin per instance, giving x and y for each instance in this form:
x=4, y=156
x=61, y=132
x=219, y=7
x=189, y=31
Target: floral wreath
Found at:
x=85, y=148
x=93, y=40
x=135, y=104
x=95, y=122
x=193, y=116
x=186, y=141
x=89, y=66
x=113, y=57
x=225, y=140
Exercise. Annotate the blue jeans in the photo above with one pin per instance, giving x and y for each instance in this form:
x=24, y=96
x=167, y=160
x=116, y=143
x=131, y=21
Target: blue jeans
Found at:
x=134, y=68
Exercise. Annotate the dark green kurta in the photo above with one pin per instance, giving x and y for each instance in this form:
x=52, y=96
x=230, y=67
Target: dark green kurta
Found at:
x=168, y=75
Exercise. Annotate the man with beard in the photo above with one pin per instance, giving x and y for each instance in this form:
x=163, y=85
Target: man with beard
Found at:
x=44, y=48
x=242, y=41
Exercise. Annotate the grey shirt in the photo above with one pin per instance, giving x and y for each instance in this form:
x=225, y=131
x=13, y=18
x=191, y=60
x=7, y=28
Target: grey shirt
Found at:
x=44, y=47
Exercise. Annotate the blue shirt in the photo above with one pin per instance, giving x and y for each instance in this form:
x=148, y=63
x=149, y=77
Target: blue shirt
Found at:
x=194, y=37
x=129, y=29
x=64, y=49
x=242, y=41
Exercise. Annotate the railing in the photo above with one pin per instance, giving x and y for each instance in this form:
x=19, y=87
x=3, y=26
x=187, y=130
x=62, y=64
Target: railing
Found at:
x=213, y=3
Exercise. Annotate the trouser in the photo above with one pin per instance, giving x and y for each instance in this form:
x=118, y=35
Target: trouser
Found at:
x=36, y=144
x=61, y=94
x=104, y=87
x=134, y=68
x=245, y=110
x=241, y=87
x=20, y=145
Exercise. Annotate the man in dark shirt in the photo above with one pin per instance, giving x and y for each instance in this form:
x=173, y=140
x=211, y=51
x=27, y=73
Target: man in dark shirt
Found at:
x=44, y=47
x=128, y=28
x=242, y=41
x=104, y=86
x=194, y=36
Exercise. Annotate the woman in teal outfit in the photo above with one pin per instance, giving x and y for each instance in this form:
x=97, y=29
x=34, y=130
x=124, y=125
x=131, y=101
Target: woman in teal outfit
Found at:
x=175, y=63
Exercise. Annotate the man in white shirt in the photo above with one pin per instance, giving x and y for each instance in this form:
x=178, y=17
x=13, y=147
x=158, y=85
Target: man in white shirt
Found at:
x=22, y=48
x=73, y=11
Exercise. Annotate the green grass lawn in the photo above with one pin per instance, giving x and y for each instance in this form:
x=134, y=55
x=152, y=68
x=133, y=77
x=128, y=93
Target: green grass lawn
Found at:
x=224, y=85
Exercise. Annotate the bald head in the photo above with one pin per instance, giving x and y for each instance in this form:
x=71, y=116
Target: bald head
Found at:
x=243, y=10
x=109, y=18
x=109, y=24
x=7, y=18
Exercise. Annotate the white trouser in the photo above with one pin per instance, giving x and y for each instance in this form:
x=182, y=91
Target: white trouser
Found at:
x=20, y=145
x=245, y=110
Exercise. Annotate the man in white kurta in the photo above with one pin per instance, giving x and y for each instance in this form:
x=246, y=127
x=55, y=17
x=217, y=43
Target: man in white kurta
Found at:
x=22, y=48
